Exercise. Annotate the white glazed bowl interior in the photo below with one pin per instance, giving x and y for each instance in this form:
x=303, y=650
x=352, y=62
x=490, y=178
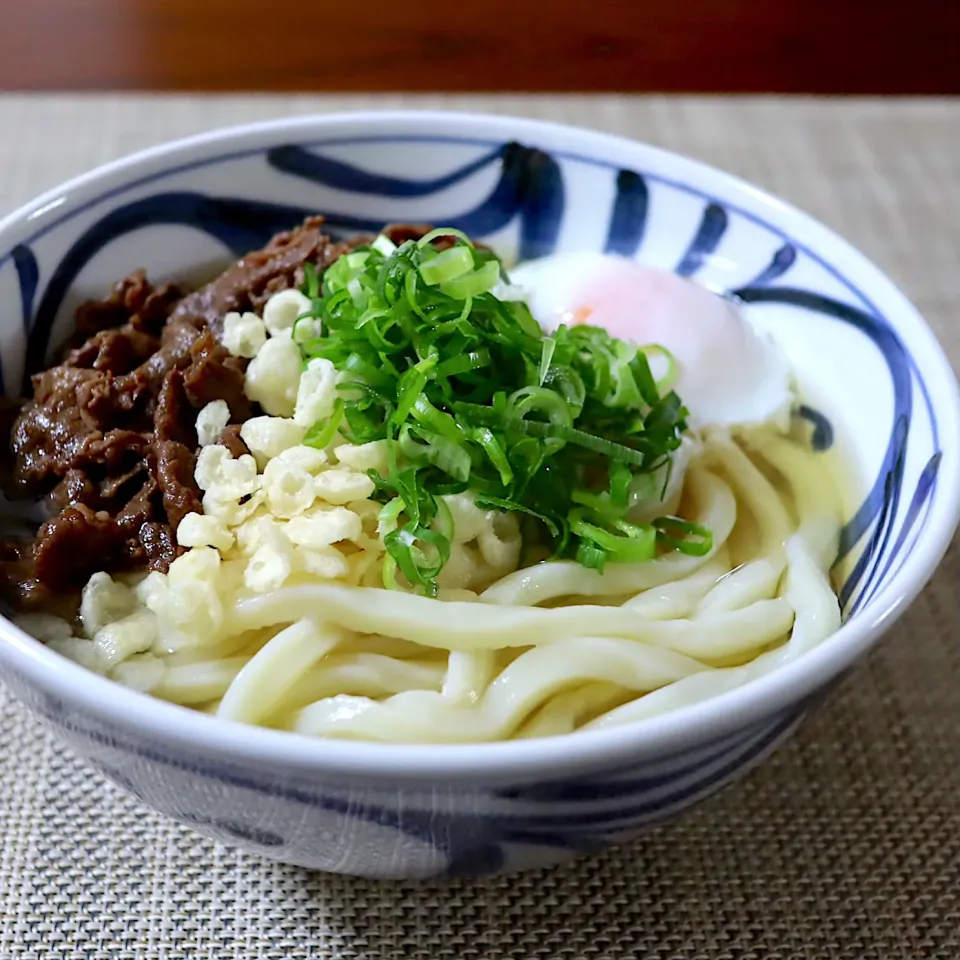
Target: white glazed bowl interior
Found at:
x=874, y=377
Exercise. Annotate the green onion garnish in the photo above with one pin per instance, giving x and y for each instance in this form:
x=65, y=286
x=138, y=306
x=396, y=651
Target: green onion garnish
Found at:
x=690, y=538
x=470, y=395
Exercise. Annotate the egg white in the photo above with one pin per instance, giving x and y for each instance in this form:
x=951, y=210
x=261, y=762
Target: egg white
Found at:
x=728, y=373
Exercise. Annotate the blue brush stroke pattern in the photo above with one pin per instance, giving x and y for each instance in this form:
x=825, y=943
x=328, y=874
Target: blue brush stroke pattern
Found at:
x=232, y=828
x=28, y=276
x=822, y=437
x=470, y=842
x=541, y=205
x=926, y=484
x=713, y=225
x=49, y=224
x=628, y=219
x=240, y=225
x=779, y=264
x=868, y=563
x=28, y=279
x=530, y=187
x=881, y=502
x=299, y=162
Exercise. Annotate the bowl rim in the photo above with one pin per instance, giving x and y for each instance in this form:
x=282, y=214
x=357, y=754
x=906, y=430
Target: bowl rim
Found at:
x=764, y=698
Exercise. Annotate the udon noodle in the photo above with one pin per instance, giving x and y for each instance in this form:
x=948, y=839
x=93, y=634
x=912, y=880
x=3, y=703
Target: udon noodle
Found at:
x=543, y=650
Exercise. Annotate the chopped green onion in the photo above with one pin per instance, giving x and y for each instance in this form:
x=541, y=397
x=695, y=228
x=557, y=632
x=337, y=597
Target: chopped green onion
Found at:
x=384, y=245
x=449, y=458
x=494, y=450
x=693, y=539
x=439, y=232
x=591, y=556
x=499, y=503
x=549, y=346
x=538, y=399
x=446, y=265
x=389, y=517
x=417, y=568
x=666, y=382
x=472, y=284
x=411, y=385
x=320, y=435
x=636, y=544
x=428, y=416
x=620, y=478
x=471, y=396
x=610, y=449
x=311, y=282
x=464, y=363
x=644, y=378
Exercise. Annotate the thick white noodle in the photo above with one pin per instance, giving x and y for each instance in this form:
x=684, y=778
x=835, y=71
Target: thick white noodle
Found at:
x=535, y=676
x=571, y=708
x=748, y=584
x=807, y=590
x=389, y=647
x=468, y=674
x=716, y=509
x=685, y=692
x=813, y=548
x=547, y=650
x=814, y=493
x=806, y=585
x=473, y=627
x=195, y=683
x=362, y=674
x=754, y=492
x=679, y=598
x=260, y=686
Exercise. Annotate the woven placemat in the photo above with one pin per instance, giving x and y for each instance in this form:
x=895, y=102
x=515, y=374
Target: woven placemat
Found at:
x=845, y=845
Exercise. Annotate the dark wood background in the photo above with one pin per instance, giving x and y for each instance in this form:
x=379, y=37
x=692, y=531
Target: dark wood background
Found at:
x=784, y=46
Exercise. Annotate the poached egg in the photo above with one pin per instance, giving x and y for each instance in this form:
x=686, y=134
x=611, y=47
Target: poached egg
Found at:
x=728, y=373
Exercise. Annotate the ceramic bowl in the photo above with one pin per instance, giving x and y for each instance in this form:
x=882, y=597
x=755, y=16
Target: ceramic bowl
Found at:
x=876, y=384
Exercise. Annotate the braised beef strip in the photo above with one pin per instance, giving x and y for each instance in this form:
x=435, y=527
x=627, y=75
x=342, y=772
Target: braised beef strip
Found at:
x=108, y=439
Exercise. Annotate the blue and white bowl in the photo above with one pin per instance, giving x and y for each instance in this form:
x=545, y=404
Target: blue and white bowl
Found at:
x=877, y=382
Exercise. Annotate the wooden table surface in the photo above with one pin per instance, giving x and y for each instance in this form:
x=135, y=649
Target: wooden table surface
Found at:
x=787, y=46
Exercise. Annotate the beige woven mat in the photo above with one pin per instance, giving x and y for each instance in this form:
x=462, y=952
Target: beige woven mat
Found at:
x=845, y=845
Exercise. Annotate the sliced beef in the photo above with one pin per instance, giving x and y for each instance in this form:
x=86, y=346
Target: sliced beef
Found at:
x=231, y=439
x=109, y=436
x=64, y=428
x=401, y=232
x=114, y=351
x=23, y=590
x=76, y=487
x=112, y=452
x=160, y=546
x=115, y=493
x=144, y=506
x=174, y=417
x=213, y=374
x=175, y=467
x=132, y=301
x=50, y=431
x=76, y=544
x=106, y=402
x=253, y=279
